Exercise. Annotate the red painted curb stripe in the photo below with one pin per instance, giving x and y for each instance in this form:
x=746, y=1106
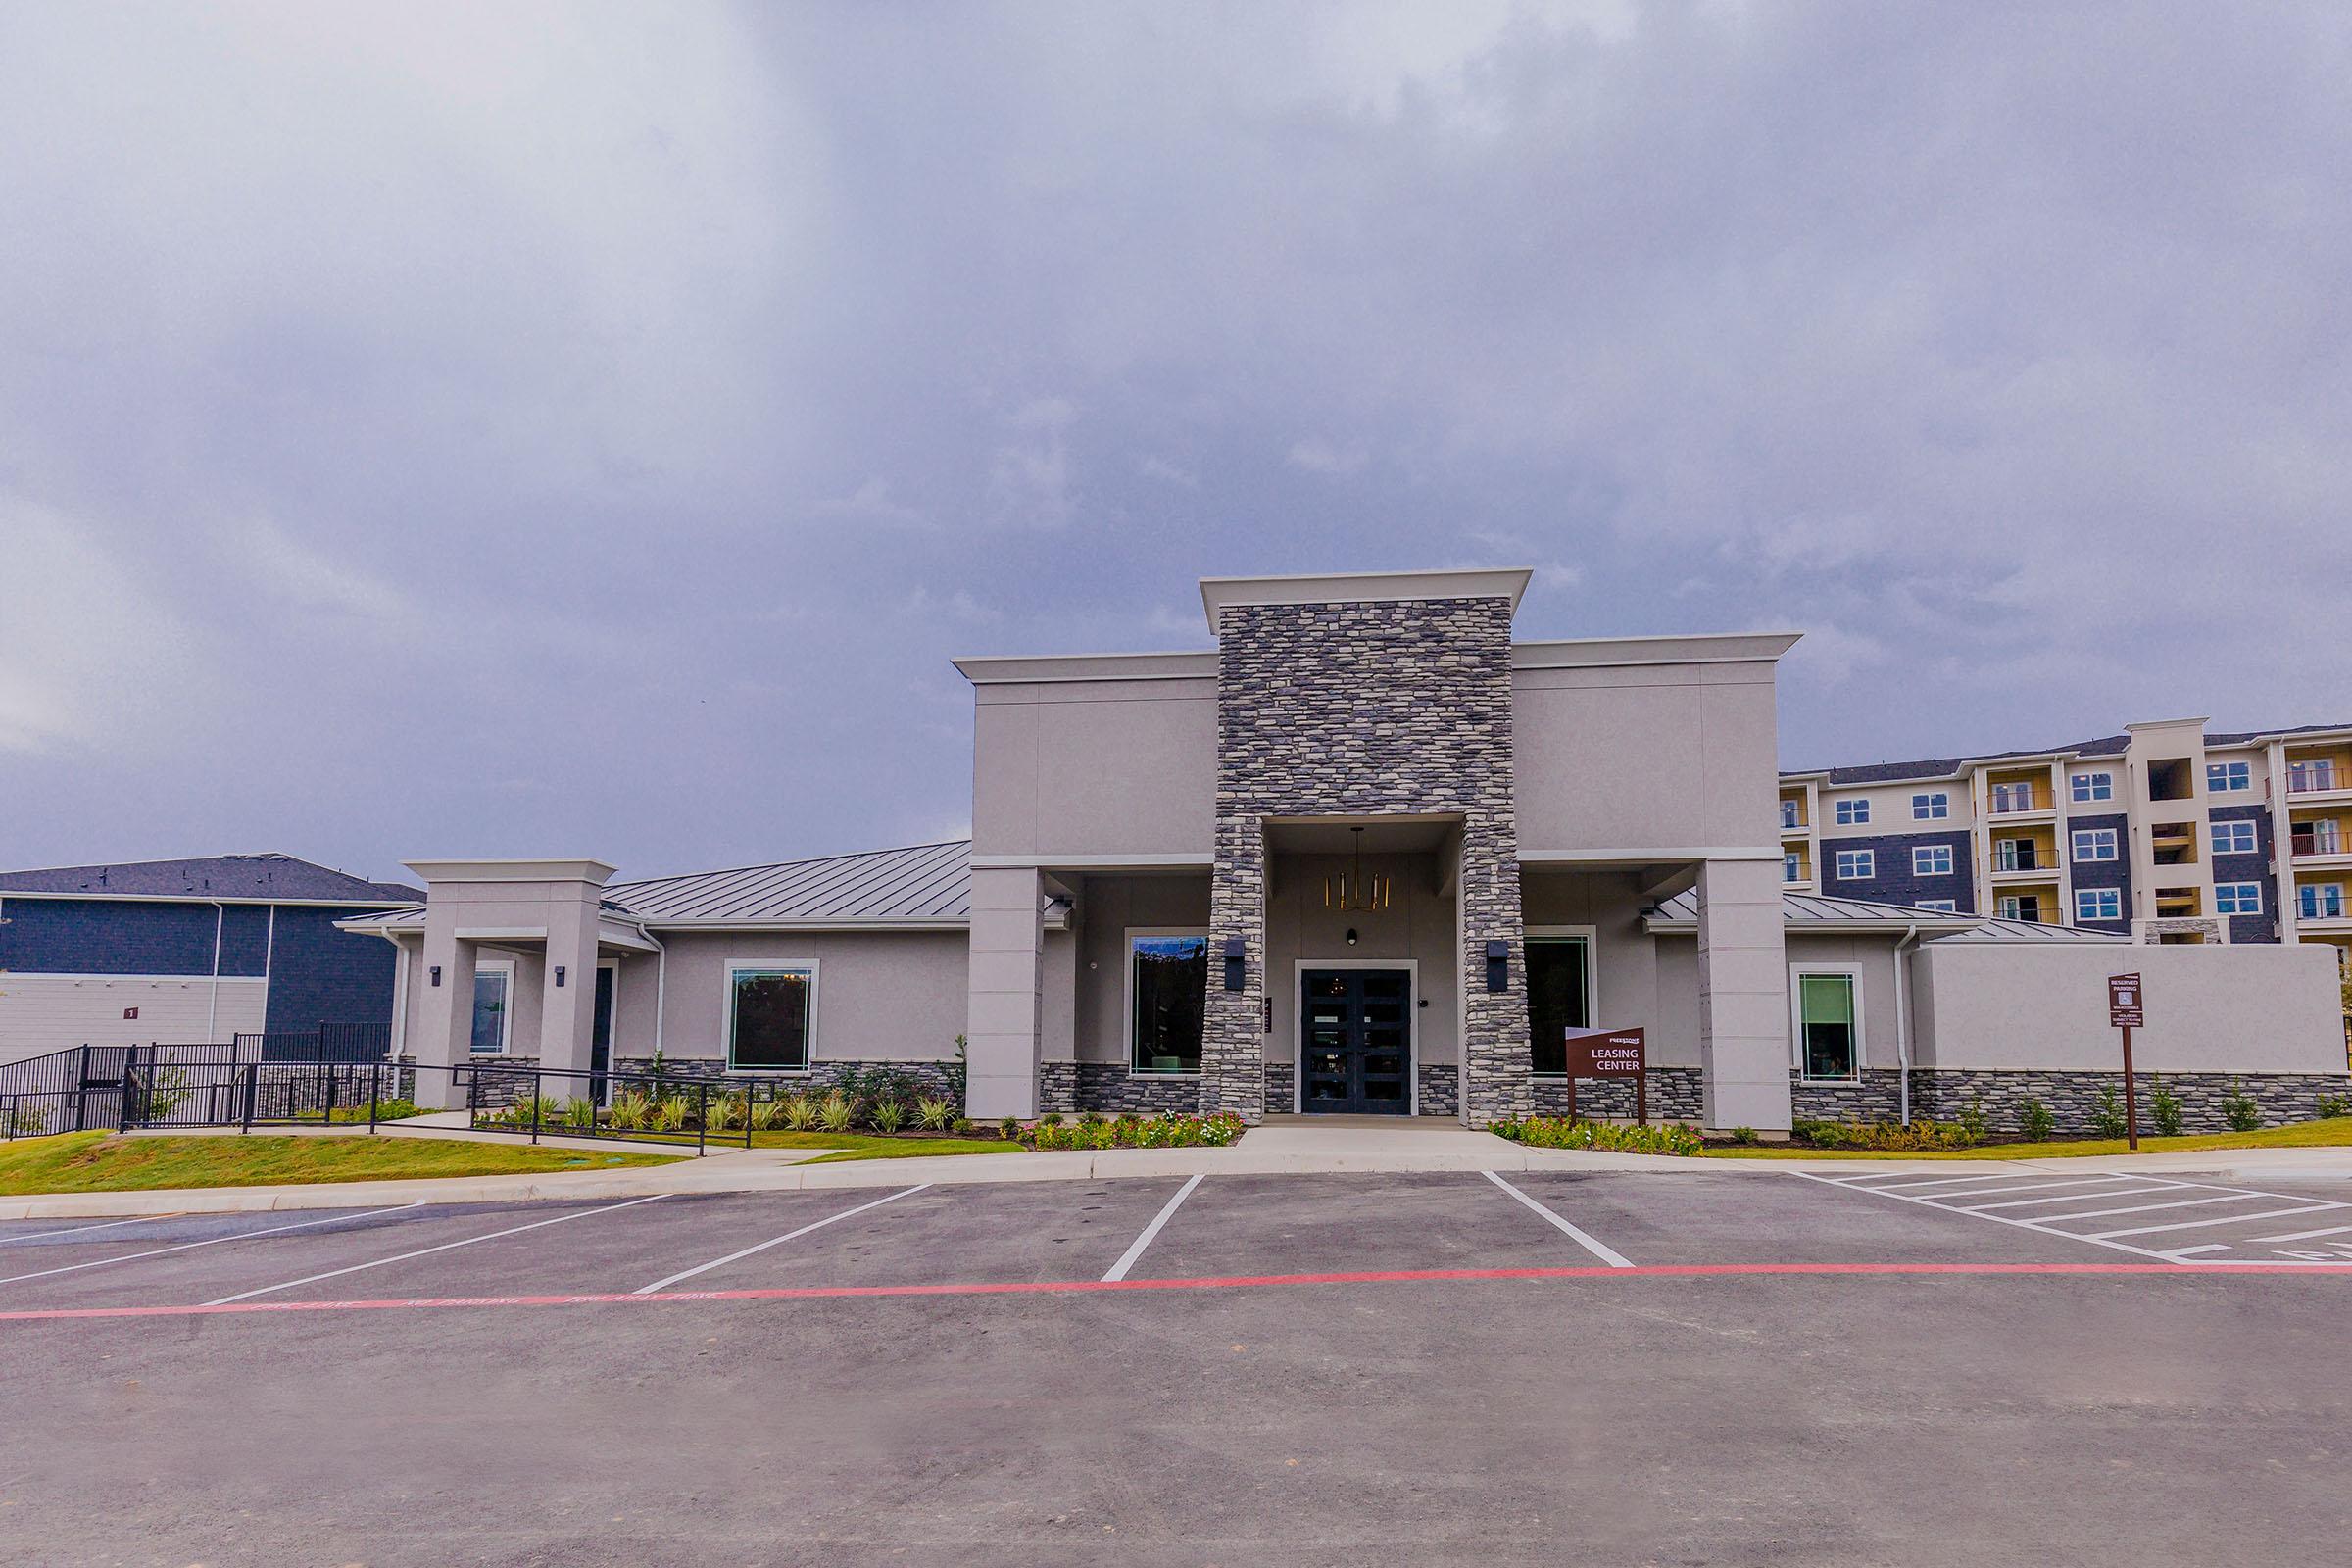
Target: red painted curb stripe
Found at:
x=1227, y=1282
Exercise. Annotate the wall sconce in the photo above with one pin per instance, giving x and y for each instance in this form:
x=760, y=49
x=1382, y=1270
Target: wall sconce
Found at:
x=437, y=974
x=1499, y=966
x=1236, y=952
x=559, y=977
x=1351, y=935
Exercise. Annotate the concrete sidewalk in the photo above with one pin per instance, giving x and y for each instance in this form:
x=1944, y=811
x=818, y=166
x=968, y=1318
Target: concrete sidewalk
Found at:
x=1284, y=1146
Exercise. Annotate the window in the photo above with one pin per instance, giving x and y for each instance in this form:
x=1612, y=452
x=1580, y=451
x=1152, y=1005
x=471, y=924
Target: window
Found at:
x=2016, y=854
x=1937, y=906
x=2094, y=843
x=2235, y=838
x=1930, y=808
x=2017, y=797
x=1852, y=814
x=1559, y=995
x=1792, y=866
x=770, y=1009
x=1931, y=860
x=2021, y=907
x=1855, y=865
x=2304, y=777
x=2223, y=778
x=2238, y=898
x=2320, y=900
x=493, y=989
x=1167, y=993
x=2094, y=786
x=1789, y=814
x=2098, y=904
x=1828, y=1036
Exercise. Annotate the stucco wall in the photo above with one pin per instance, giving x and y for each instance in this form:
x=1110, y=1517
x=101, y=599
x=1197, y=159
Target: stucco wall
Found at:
x=1418, y=927
x=1872, y=961
x=1080, y=768
x=1109, y=905
x=2211, y=1008
x=1631, y=758
x=881, y=996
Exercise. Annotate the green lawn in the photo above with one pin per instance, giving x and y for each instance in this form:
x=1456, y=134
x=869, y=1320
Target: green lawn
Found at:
x=104, y=1162
x=865, y=1146
x=2332, y=1133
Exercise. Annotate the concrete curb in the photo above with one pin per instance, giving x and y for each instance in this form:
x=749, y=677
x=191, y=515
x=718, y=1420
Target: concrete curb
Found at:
x=786, y=1170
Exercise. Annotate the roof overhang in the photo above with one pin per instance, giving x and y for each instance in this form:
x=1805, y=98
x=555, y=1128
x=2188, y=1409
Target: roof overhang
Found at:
x=1704, y=648
x=1364, y=588
x=594, y=872
x=1029, y=669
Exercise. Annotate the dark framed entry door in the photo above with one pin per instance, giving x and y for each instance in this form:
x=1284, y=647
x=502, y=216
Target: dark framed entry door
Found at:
x=600, y=1035
x=1356, y=1034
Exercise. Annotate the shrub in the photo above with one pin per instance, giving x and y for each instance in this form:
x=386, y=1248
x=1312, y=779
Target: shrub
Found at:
x=629, y=1109
x=673, y=1111
x=800, y=1113
x=2336, y=1106
x=2239, y=1107
x=580, y=1111
x=888, y=1115
x=934, y=1114
x=2164, y=1108
x=1744, y=1135
x=1171, y=1131
x=1924, y=1134
x=27, y=1120
x=2038, y=1121
x=525, y=1108
x=1051, y=1118
x=2107, y=1117
x=1611, y=1136
x=958, y=1071
x=960, y=1125
x=766, y=1113
x=1971, y=1120
x=836, y=1112
x=1009, y=1129
x=721, y=1112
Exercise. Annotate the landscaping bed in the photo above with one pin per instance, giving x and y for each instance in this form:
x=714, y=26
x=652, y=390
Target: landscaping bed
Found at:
x=102, y=1163
x=2325, y=1133
x=1606, y=1136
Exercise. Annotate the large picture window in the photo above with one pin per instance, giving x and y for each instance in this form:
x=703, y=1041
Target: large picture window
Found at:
x=771, y=1014
x=493, y=997
x=1829, y=1027
x=1167, y=992
x=1559, y=996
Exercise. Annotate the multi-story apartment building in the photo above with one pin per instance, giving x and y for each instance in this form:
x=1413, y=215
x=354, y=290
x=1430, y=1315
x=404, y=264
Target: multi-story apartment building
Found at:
x=2164, y=831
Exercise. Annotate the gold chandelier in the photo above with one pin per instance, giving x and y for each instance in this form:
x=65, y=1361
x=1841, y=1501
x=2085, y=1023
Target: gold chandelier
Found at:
x=1351, y=889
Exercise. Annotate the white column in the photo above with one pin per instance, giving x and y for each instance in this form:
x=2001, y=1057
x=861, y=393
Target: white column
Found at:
x=1743, y=1048
x=1003, y=1007
x=568, y=1012
x=445, y=1010
x=2290, y=911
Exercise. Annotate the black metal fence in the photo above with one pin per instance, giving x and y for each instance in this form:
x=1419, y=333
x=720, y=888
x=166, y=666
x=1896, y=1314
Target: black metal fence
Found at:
x=324, y=1042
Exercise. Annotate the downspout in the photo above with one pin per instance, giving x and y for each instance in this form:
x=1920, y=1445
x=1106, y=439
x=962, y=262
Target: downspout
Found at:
x=660, y=985
x=212, y=1011
x=1902, y=1018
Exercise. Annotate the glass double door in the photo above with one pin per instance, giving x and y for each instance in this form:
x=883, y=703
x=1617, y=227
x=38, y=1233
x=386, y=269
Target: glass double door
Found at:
x=1356, y=1042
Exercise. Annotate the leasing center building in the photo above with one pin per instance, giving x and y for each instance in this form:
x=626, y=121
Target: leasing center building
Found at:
x=1370, y=854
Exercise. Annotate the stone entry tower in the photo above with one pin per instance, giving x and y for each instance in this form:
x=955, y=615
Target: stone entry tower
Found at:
x=1358, y=697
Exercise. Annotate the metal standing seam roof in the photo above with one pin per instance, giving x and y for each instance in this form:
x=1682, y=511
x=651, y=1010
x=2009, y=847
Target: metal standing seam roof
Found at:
x=924, y=882
x=1817, y=909
x=1929, y=769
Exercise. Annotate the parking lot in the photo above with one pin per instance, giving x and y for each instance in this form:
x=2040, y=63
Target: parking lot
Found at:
x=1848, y=1364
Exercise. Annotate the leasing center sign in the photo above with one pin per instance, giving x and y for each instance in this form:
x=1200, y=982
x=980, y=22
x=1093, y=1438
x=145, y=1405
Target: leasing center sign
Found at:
x=1595, y=1053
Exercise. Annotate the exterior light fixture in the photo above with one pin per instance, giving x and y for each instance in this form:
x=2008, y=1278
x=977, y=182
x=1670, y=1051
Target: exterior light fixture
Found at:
x=1499, y=966
x=1236, y=953
x=1354, y=890
x=1351, y=935
x=559, y=977
x=437, y=974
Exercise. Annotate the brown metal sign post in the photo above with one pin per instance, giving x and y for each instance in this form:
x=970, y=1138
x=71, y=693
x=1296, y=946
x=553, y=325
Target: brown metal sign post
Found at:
x=1610, y=1053
x=2126, y=1011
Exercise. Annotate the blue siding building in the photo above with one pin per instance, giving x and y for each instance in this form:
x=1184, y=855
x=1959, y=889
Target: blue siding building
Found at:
x=184, y=951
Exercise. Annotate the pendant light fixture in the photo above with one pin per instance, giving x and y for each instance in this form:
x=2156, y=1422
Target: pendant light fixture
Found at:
x=1353, y=888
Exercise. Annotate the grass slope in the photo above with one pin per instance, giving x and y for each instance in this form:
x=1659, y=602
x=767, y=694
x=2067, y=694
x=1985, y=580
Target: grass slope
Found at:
x=864, y=1146
x=102, y=1163
x=2333, y=1132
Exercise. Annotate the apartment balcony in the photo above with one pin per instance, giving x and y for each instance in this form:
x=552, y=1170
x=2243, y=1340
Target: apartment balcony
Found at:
x=2012, y=801
x=2319, y=843
x=2038, y=867
x=2317, y=779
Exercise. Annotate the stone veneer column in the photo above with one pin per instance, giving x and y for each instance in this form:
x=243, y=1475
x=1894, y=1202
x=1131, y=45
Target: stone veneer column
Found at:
x=1367, y=709
x=1743, y=1047
x=1007, y=955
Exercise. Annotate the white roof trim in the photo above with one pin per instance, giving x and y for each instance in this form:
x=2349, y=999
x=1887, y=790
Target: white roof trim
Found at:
x=1364, y=587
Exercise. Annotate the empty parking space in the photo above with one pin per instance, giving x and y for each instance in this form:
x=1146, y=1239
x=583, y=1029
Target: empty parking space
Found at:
x=170, y=1259
x=2170, y=1218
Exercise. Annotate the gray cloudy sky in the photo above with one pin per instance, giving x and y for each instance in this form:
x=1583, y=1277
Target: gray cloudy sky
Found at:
x=587, y=428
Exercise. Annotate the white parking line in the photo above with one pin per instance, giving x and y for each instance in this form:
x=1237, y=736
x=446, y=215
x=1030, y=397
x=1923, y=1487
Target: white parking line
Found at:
x=2143, y=1208
x=2301, y=1236
x=1135, y=1248
x=1993, y=1219
x=704, y=1268
x=2072, y=1198
x=2014, y=1185
x=423, y=1251
x=212, y=1241
x=2218, y=1220
x=1607, y=1255
x=110, y=1225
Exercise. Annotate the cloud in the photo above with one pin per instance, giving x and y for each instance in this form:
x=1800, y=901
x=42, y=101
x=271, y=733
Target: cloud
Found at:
x=1316, y=455
x=870, y=502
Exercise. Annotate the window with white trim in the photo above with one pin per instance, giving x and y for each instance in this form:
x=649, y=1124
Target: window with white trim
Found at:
x=2094, y=843
x=1167, y=997
x=1828, y=1004
x=2098, y=904
x=1792, y=866
x=2093, y=787
x=2235, y=837
x=2238, y=898
x=1852, y=814
x=2228, y=778
x=1939, y=906
x=771, y=1015
x=1930, y=808
x=493, y=1009
x=2320, y=900
x=1856, y=865
x=1559, y=996
x=1931, y=860
x=1789, y=816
